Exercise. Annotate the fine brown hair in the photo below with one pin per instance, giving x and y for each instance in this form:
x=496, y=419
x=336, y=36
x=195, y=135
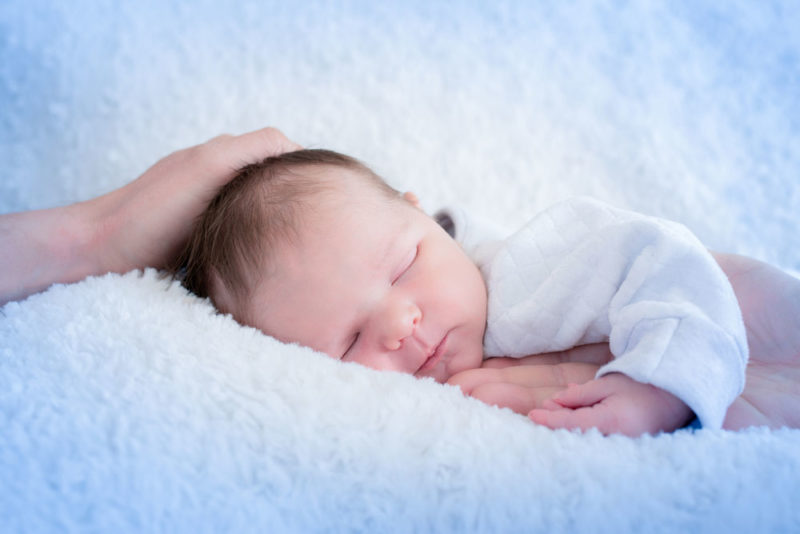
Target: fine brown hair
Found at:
x=257, y=211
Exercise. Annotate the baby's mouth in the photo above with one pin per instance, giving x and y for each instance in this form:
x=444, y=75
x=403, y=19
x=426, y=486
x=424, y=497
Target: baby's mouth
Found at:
x=435, y=356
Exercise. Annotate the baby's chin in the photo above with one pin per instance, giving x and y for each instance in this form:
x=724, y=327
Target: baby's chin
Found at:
x=463, y=360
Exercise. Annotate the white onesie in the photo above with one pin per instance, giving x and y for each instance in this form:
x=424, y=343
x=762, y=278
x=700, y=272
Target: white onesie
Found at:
x=585, y=272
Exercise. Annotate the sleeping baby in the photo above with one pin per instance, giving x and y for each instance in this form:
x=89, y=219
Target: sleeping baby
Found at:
x=312, y=247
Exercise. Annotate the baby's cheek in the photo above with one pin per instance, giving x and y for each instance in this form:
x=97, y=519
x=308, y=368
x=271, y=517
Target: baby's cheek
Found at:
x=470, y=356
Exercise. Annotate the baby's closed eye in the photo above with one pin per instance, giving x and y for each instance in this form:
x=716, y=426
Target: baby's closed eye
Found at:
x=353, y=341
x=406, y=264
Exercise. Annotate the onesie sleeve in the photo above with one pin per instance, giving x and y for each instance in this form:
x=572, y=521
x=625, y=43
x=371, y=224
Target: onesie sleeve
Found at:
x=676, y=324
x=584, y=272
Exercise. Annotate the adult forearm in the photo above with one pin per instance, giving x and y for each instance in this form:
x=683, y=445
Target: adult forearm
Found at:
x=43, y=247
x=142, y=224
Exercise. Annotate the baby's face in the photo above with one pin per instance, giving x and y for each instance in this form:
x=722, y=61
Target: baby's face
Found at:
x=376, y=281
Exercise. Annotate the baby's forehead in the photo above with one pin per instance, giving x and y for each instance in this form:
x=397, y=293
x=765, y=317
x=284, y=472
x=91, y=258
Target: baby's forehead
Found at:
x=339, y=248
x=348, y=226
x=330, y=176
x=340, y=206
x=356, y=184
x=343, y=199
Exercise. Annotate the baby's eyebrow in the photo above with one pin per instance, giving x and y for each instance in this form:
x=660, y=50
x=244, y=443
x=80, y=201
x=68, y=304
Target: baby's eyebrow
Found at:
x=386, y=252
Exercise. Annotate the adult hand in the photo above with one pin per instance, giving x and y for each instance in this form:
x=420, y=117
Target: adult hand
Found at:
x=525, y=384
x=141, y=224
x=146, y=222
x=522, y=387
x=770, y=302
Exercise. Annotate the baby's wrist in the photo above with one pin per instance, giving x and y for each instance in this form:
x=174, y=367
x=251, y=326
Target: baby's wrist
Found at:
x=679, y=411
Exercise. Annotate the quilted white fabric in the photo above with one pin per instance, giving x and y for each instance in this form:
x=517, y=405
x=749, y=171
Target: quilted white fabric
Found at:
x=585, y=272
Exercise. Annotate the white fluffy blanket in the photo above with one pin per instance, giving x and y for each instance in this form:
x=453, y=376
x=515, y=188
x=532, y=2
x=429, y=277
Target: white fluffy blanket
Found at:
x=128, y=406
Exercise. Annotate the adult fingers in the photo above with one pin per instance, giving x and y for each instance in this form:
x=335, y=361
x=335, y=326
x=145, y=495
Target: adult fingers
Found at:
x=558, y=375
x=531, y=376
x=265, y=142
x=500, y=362
x=594, y=353
x=225, y=154
x=470, y=379
x=520, y=399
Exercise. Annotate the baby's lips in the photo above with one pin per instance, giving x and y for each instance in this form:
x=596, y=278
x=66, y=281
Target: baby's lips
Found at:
x=434, y=355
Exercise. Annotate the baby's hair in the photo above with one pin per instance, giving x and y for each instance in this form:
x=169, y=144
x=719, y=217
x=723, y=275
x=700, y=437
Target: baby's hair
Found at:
x=259, y=210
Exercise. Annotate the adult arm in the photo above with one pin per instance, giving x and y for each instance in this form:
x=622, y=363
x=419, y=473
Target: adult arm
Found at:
x=143, y=223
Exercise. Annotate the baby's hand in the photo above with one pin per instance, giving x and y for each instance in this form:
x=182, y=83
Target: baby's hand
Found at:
x=614, y=404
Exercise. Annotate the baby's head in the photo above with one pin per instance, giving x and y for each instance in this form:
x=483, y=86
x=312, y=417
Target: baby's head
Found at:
x=312, y=247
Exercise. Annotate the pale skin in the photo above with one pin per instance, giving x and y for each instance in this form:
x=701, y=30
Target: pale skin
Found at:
x=373, y=280
x=145, y=222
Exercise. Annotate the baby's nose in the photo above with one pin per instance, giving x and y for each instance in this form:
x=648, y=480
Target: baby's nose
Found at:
x=400, y=323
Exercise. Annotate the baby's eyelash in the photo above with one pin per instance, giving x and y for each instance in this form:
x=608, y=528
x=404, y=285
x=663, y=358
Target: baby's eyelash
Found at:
x=352, y=344
x=408, y=265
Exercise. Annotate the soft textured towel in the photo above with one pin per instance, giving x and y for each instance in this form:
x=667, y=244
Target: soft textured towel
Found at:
x=127, y=405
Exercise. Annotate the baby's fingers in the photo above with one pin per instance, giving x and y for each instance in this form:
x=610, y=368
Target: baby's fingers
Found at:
x=582, y=395
x=520, y=399
x=582, y=419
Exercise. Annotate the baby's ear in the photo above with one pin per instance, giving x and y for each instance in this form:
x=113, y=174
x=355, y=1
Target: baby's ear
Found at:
x=411, y=198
